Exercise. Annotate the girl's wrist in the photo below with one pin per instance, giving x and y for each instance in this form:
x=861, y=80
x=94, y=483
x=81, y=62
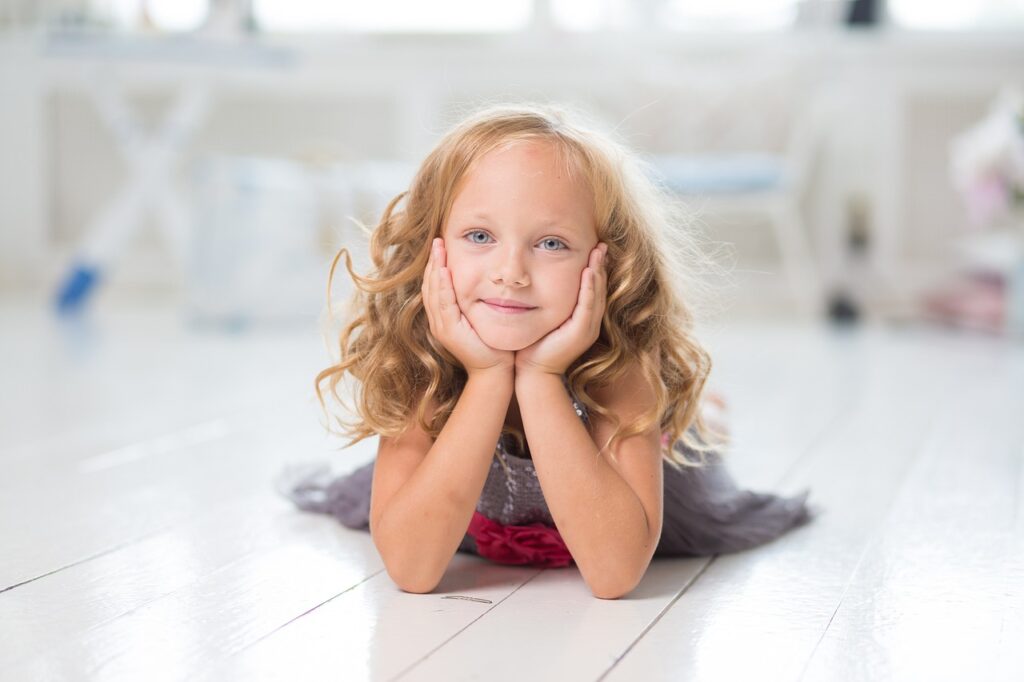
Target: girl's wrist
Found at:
x=528, y=368
x=534, y=374
x=495, y=372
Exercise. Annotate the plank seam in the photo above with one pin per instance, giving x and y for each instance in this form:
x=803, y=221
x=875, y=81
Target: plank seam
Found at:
x=910, y=466
x=658, y=617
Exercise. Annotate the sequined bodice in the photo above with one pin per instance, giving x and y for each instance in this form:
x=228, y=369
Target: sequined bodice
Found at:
x=512, y=494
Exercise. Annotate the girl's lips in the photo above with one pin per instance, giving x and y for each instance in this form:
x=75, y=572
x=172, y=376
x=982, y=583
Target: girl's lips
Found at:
x=508, y=310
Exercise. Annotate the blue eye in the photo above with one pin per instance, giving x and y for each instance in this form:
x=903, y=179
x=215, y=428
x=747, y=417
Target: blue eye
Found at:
x=559, y=242
x=476, y=232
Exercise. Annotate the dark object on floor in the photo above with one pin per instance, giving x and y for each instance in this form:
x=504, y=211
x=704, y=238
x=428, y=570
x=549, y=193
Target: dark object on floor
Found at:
x=842, y=309
x=863, y=13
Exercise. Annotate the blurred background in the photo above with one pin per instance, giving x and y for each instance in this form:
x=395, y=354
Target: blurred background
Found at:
x=853, y=159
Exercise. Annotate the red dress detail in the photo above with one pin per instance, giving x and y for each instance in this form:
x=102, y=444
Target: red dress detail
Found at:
x=535, y=544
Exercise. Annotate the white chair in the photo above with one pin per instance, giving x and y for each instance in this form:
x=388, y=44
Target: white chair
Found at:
x=741, y=144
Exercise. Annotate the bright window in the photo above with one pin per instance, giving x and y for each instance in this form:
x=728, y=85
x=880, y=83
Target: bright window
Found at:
x=391, y=16
x=594, y=15
x=957, y=15
x=730, y=15
x=684, y=15
x=163, y=15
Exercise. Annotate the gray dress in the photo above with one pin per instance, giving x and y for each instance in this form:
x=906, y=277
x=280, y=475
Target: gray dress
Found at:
x=705, y=513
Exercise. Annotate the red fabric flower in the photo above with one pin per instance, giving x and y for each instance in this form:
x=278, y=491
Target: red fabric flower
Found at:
x=535, y=544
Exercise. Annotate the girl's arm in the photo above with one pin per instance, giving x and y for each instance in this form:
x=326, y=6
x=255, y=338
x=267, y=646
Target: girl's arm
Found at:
x=424, y=493
x=608, y=513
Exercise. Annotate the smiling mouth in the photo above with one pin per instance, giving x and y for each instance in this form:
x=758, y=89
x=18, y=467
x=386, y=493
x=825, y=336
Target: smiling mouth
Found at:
x=508, y=310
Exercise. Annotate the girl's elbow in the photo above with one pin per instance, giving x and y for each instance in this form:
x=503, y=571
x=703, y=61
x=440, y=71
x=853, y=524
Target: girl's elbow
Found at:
x=415, y=584
x=608, y=586
x=412, y=574
x=613, y=589
x=415, y=588
x=408, y=571
x=611, y=593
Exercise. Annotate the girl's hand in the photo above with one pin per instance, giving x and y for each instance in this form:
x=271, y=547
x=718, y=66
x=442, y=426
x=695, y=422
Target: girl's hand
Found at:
x=447, y=323
x=555, y=351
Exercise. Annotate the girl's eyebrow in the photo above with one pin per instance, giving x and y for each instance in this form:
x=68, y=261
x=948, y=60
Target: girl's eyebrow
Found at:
x=550, y=222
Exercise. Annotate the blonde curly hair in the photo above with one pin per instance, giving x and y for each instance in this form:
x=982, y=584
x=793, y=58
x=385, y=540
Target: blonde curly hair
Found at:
x=653, y=257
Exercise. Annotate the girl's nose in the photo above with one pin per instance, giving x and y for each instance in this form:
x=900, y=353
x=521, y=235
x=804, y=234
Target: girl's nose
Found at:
x=511, y=268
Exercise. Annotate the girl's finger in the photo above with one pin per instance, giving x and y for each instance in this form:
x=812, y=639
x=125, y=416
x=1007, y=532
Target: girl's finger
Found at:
x=447, y=304
x=585, y=302
x=594, y=301
x=600, y=301
x=602, y=278
x=442, y=256
x=446, y=297
x=597, y=266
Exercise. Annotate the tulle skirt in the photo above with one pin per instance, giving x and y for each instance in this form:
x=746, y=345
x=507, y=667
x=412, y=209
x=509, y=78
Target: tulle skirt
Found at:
x=705, y=512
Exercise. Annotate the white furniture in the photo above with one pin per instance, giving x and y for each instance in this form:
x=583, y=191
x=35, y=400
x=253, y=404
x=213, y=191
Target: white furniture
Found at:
x=747, y=153
x=152, y=156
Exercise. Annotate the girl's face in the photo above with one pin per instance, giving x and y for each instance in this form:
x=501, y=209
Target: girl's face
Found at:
x=519, y=232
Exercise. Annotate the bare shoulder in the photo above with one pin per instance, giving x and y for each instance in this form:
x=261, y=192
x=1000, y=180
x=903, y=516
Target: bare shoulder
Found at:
x=398, y=458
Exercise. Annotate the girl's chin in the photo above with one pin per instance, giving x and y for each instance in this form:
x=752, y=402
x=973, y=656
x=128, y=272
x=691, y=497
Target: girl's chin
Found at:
x=508, y=339
x=508, y=342
x=507, y=332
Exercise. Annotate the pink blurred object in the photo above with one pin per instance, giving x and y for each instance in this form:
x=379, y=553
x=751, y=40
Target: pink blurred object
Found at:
x=987, y=160
x=986, y=199
x=976, y=300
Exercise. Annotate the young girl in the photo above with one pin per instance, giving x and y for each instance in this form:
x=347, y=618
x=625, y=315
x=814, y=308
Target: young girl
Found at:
x=525, y=352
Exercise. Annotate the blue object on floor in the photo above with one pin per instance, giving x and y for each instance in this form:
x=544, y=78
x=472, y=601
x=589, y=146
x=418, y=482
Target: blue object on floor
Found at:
x=76, y=288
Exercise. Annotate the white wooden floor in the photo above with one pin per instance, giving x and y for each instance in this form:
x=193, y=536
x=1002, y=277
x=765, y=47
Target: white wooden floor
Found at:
x=141, y=537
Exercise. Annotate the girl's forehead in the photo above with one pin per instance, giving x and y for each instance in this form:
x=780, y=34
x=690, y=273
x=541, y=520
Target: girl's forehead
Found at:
x=552, y=155
x=527, y=175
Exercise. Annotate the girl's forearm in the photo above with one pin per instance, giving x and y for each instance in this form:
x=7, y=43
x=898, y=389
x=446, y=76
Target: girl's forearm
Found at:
x=426, y=520
x=598, y=515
